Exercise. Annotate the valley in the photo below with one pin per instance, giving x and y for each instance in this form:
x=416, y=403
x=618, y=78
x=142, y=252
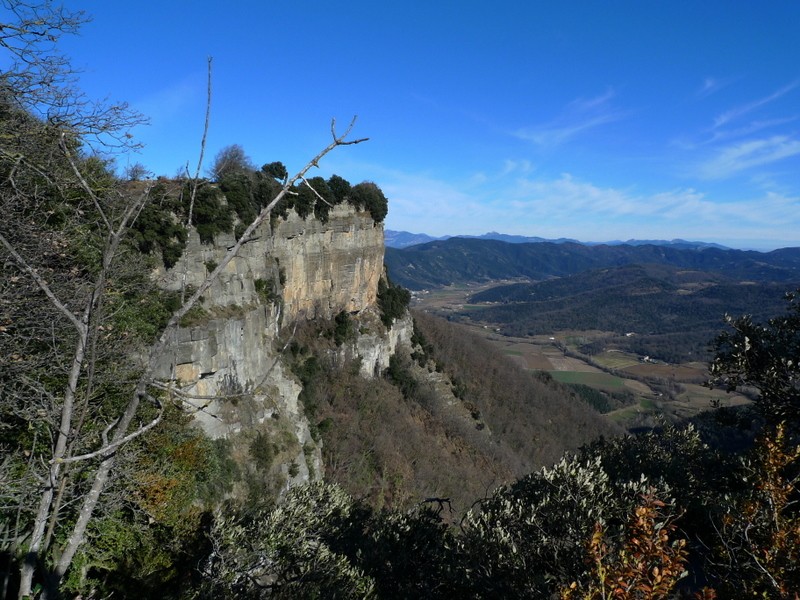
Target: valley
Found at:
x=638, y=391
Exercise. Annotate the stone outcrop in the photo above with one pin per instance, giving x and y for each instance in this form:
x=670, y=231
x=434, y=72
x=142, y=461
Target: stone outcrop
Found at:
x=320, y=268
x=375, y=348
x=329, y=267
x=226, y=360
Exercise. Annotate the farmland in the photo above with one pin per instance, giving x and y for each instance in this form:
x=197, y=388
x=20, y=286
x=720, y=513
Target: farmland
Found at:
x=655, y=391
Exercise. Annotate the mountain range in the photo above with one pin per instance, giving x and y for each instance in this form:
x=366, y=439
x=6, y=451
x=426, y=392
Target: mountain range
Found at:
x=404, y=239
x=467, y=260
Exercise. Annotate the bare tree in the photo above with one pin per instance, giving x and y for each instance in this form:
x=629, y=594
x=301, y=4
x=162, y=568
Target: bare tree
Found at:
x=65, y=257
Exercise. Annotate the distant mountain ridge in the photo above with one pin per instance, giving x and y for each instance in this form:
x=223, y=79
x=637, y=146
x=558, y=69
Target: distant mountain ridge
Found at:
x=405, y=239
x=673, y=311
x=470, y=260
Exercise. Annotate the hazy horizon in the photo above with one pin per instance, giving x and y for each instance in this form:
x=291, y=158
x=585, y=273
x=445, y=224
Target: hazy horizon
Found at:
x=731, y=244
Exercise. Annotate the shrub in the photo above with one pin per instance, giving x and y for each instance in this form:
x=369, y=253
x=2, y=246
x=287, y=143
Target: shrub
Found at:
x=344, y=329
x=645, y=565
x=758, y=545
x=293, y=551
x=528, y=539
x=267, y=290
x=340, y=188
x=369, y=196
x=393, y=301
x=211, y=215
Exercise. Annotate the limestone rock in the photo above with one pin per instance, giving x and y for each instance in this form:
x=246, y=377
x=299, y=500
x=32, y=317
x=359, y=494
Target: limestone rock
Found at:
x=227, y=363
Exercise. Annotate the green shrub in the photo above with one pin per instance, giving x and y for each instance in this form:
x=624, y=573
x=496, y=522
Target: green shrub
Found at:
x=267, y=290
x=368, y=196
x=211, y=215
x=158, y=228
x=344, y=329
x=340, y=188
x=529, y=538
x=393, y=301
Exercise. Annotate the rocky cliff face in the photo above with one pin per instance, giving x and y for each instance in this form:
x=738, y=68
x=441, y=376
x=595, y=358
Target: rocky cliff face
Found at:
x=227, y=362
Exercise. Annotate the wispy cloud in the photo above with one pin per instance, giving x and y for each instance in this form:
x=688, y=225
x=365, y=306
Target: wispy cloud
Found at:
x=570, y=207
x=738, y=111
x=742, y=138
x=169, y=101
x=587, y=104
x=516, y=167
x=578, y=117
x=735, y=158
x=753, y=127
x=569, y=197
x=567, y=206
x=711, y=85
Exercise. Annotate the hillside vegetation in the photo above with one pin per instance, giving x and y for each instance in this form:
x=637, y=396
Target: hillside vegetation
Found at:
x=460, y=260
x=452, y=419
x=432, y=486
x=657, y=516
x=667, y=313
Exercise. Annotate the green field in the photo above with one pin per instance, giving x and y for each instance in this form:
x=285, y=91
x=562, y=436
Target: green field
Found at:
x=616, y=360
x=593, y=379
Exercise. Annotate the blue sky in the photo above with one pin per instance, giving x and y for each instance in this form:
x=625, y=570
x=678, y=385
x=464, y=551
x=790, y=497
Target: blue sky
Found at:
x=590, y=120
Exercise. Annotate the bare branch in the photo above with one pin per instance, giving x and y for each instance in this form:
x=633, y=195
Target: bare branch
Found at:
x=202, y=147
x=110, y=448
x=316, y=193
x=84, y=184
x=340, y=140
x=42, y=284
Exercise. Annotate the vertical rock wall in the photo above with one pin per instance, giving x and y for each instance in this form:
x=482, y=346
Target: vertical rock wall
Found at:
x=329, y=267
x=226, y=361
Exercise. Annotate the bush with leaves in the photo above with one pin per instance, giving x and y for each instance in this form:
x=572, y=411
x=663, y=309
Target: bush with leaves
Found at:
x=696, y=474
x=368, y=196
x=757, y=551
x=764, y=357
x=289, y=552
x=528, y=539
x=325, y=199
x=304, y=200
x=393, y=301
x=211, y=214
x=238, y=190
x=275, y=170
x=646, y=564
x=321, y=543
x=340, y=188
x=344, y=329
x=158, y=227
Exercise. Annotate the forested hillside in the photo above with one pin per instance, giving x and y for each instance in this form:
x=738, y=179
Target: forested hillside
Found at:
x=657, y=516
x=453, y=418
x=460, y=260
x=660, y=311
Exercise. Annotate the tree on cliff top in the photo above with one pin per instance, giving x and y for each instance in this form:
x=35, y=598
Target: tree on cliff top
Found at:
x=73, y=301
x=229, y=161
x=368, y=196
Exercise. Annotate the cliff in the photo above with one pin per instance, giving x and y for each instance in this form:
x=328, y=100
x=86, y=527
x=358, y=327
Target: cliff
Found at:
x=227, y=359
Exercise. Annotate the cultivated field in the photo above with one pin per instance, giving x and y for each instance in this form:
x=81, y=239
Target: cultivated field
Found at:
x=661, y=391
